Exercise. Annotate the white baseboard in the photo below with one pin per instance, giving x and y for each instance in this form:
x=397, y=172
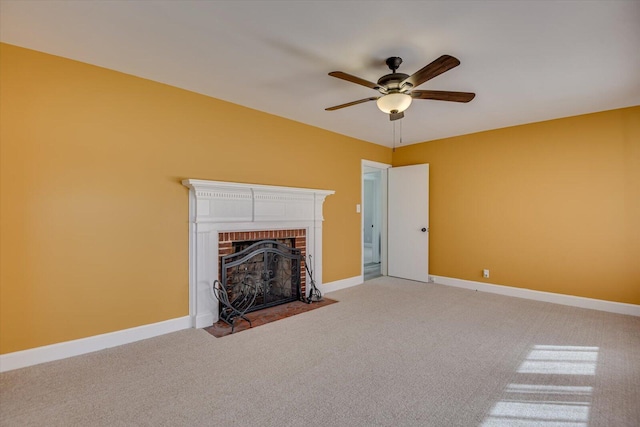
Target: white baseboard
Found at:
x=48, y=353
x=575, y=301
x=204, y=320
x=35, y=356
x=341, y=284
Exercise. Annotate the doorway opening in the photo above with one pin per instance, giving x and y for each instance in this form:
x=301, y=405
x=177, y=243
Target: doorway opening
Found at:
x=374, y=219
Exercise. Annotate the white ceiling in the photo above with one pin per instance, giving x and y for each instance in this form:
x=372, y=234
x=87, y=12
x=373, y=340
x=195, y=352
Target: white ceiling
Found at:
x=527, y=61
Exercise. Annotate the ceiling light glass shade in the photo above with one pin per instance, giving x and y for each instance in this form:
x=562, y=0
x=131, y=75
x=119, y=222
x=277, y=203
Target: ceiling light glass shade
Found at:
x=394, y=102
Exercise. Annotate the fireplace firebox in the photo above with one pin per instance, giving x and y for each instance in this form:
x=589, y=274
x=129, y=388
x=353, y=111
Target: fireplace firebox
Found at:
x=272, y=267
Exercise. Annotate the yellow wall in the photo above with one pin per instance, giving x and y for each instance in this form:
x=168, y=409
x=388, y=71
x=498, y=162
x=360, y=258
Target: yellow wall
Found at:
x=551, y=206
x=93, y=217
x=94, y=232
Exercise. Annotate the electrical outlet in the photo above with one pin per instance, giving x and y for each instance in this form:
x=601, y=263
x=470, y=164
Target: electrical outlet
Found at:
x=485, y=273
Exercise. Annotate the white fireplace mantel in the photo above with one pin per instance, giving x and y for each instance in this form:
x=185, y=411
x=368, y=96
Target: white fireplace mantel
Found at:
x=216, y=206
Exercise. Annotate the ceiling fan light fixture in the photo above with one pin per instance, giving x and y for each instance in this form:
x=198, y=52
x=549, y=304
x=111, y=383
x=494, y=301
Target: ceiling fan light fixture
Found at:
x=394, y=102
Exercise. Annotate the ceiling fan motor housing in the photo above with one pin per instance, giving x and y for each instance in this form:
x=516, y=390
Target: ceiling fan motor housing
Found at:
x=392, y=82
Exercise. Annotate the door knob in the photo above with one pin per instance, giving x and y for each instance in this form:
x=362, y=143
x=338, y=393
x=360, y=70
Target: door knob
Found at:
x=424, y=230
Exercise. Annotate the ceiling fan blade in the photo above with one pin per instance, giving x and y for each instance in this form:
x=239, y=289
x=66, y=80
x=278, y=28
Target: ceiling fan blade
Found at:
x=354, y=79
x=443, y=95
x=437, y=67
x=349, y=104
x=396, y=116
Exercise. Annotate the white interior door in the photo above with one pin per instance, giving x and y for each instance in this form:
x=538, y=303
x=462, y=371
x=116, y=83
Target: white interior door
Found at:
x=408, y=228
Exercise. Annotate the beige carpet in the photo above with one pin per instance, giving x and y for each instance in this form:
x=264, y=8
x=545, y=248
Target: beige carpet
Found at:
x=391, y=353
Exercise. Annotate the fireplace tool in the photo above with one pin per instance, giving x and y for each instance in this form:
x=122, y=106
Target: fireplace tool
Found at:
x=242, y=301
x=314, y=293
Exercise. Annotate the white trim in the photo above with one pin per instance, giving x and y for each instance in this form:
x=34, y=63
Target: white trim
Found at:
x=35, y=356
x=341, y=284
x=575, y=301
x=203, y=320
x=216, y=206
x=383, y=167
x=48, y=353
x=376, y=165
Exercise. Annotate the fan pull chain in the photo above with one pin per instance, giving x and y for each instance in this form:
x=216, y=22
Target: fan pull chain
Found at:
x=394, y=137
x=394, y=134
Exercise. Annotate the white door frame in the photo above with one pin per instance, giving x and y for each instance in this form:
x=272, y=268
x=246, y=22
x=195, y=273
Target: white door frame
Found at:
x=383, y=167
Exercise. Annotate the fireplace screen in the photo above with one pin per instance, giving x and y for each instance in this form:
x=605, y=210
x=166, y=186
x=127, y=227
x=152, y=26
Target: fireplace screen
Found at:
x=272, y=266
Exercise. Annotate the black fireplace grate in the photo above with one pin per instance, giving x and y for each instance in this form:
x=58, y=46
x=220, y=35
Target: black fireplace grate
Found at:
x=272, y=266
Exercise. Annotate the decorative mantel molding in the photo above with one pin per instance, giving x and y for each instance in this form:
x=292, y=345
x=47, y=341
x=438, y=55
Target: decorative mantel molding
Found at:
x=216, y=206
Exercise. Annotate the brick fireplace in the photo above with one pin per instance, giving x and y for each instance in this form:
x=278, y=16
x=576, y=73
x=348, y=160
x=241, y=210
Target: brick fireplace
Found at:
x=295, y=238
x=223, y=212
